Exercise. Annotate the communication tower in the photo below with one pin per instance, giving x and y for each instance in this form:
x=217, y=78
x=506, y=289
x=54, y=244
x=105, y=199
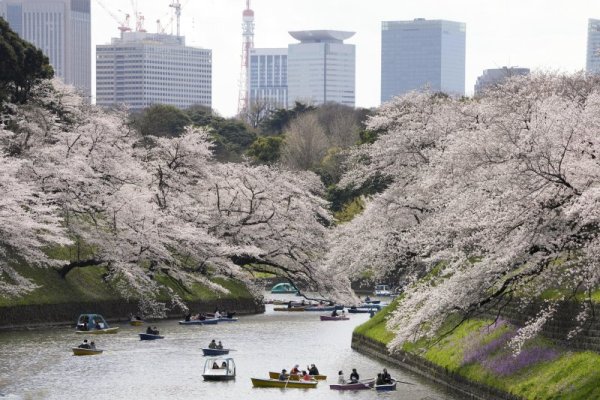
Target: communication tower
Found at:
x=247, y=45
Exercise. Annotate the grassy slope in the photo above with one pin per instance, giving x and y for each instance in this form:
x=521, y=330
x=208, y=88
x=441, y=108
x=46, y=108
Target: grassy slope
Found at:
x=87, y=284
x=572, y=375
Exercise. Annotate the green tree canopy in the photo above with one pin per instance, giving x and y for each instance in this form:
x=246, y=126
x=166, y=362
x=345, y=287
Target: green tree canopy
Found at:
x=22, y=65
x=161, y=120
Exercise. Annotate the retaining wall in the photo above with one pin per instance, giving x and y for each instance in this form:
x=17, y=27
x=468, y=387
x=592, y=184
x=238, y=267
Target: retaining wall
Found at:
x=32, y=316
x=465, y=388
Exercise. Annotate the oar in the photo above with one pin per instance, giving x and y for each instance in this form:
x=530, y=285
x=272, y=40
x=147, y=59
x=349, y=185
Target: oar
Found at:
x=288, y=381
x=406, y=383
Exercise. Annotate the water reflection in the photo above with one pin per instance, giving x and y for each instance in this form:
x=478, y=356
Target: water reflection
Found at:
x=40, y=365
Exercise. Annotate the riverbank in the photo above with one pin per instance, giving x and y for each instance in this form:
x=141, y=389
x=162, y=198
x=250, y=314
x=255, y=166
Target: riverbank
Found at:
x=59, y=301
x=474, y=362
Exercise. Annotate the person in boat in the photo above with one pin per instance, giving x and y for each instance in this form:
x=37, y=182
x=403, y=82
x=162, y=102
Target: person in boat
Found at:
x=151, y=331
x=354, y=377
x=217, y=314
x=84, y=345
x=386, y=377
x=334, y=313
x=313, y=370
x=230, y=314
x=188, y=316
x=290, y=304
x=224, y=365
x=343, y=313
x=283, y=376
x=220, y=345
x=379, y=380
x=93, y=345
x=367, y=299
x=341, y=379
x=306, y=376
x=215, y=365
x=295, y=370
x=212, y=344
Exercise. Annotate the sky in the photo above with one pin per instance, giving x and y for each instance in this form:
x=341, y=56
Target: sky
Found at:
x=537, y=34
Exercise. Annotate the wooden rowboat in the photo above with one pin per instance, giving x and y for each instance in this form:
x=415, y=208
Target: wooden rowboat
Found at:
x=150, y=336
x=275, y=375
x=274, y=383
x=78, y=351
x=330, y=318
x=360, y=385
x=208, y=321
x=289, y=309
x=215, y=352
x=99, y=331
x=386, y=387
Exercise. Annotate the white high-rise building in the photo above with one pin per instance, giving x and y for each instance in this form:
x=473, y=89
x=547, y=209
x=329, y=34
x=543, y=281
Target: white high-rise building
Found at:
x=141, y=69
x=321, y=68
x=62, y=30
x=268, y=77
x=593, y=46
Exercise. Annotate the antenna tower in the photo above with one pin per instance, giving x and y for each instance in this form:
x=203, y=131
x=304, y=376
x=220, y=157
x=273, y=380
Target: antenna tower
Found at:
x=247, y=45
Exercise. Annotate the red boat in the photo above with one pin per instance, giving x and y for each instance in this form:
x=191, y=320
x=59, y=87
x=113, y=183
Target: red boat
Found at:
x=330, y=318
x=360, y=385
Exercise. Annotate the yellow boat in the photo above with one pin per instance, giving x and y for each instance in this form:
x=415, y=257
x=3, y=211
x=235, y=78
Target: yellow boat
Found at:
x=275, y=375
x=136, y=322
x=288, y=309
x=275, y=383
x=78, y=351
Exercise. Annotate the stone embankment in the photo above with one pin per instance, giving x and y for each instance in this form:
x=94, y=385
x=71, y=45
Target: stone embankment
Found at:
x=465, y=388
x=43, y=315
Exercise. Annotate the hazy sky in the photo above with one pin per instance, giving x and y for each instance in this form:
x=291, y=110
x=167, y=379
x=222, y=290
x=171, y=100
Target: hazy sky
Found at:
x=538, y=34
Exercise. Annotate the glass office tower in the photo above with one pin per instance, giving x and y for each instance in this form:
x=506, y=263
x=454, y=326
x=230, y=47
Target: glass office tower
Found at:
x=593, y=46
x=321, y=68
x=268, y=77
x=422, y=53
x=62, y=30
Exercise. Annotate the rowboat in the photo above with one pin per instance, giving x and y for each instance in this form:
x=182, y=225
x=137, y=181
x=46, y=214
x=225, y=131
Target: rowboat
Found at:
x=386, y=387
x=219, y=369
x=78, y=351
x=226, y=319
x=289, y=309
x=275, y=383
x=275, y=375
x=208, y=321
x=93, y=324
x=136, y=322
x=330, y=318
x=215, y=352
x=323, y=308
x=149, y=336
x=360, y=385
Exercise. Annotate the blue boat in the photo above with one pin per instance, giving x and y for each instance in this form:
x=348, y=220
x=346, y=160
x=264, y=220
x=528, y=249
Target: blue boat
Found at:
x=93, y=324
x=149, y=336
x=215, y=352
x=225, y=319
x=323, y=308
x=284, y=288
x=208, y=321
x=386, y=387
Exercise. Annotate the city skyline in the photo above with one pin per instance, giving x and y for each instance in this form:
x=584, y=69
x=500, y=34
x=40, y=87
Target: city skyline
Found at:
x=537, y=34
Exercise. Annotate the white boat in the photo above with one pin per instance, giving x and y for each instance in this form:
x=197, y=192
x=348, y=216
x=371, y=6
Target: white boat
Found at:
x=219, y=369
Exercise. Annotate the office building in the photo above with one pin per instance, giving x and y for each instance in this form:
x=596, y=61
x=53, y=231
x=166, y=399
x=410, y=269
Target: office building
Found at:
x=62, y=30
x=593, y=46
x=422, y=54
x=268, y=77
x=141, y=69
x=321, y=68
x=496, y=76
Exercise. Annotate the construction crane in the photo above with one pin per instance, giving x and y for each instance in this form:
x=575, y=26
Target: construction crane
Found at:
x=123, y=24
x=177, y=6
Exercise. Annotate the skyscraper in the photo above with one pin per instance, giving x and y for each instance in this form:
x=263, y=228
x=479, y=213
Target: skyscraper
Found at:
x=141, y=69
x=593, y=46
x=422, y=53
x=62, y=30
x=268, y=82
x=321, y=68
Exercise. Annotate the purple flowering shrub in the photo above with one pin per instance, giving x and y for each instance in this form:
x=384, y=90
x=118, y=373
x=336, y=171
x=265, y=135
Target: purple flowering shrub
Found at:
x=489, y=347
x=508, y=364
